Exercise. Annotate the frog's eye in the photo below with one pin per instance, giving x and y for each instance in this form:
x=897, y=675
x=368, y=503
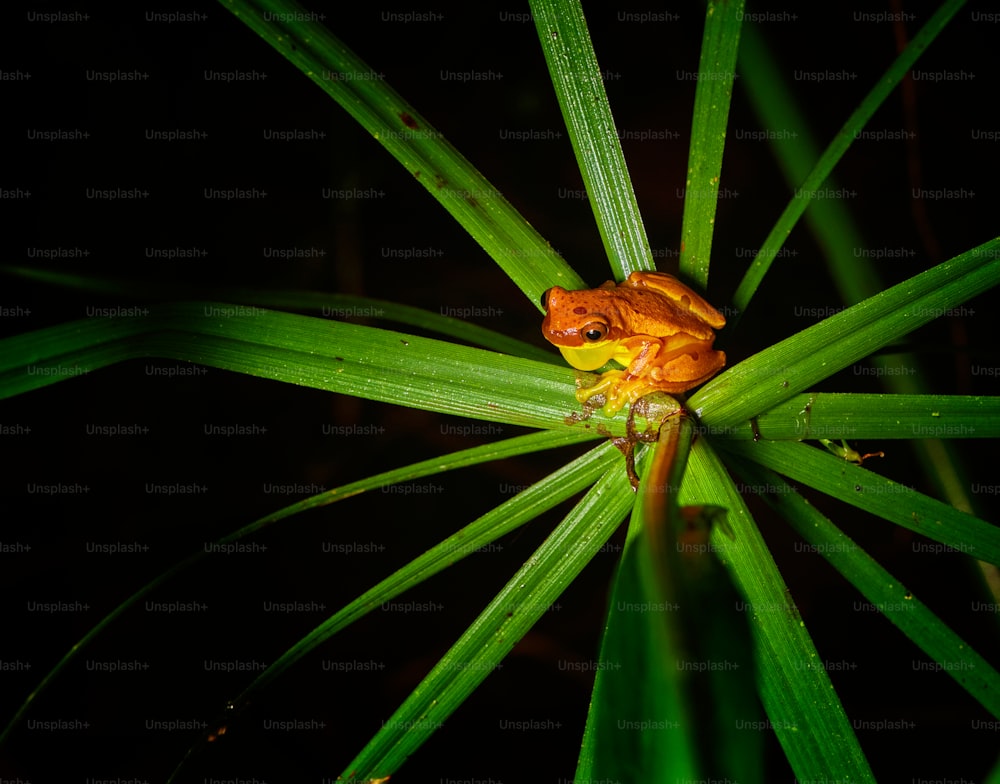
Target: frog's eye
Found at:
x=594, y=331
x=545, y=299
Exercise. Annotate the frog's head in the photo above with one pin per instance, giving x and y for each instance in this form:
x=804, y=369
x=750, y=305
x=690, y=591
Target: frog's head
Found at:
x=582, y=325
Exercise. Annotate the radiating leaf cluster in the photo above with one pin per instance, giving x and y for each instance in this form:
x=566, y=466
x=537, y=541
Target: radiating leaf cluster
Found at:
x=766, y=396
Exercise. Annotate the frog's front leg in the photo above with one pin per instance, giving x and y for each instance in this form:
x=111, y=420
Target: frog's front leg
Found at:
x=619, y=388
x=630, y=388
x=607, y=382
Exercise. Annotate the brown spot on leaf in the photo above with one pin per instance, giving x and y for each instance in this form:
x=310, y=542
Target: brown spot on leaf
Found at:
x=408, y=120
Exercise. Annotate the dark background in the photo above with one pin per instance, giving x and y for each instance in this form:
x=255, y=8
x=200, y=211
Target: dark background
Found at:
x=46, y=439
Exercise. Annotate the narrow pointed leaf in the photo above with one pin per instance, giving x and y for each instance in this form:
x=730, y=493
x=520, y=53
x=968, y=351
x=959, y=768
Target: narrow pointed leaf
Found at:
x=576, y=76
x=316, y=303
x=713, y=95
x=872, y=416
x=882, y=590
x=411, y=139
x=873, y=493
x=804, y=710
x=505, y=620
x=796, y=363
x=541, y=496
x=771, y=101
x=675, y=686
x=518, y=445
x=351, y=359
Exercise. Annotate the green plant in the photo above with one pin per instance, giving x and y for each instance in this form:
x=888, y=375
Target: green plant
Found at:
x=769, y=393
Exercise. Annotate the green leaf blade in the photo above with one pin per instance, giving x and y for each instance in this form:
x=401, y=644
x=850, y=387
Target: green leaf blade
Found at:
x=774, y=103
x=492, y=635
x=875, y=494
x=351, y=359
x=804, y=710
x=883, y=590
x=410, y=138
x=796, y=363
x=676, y=687
x=874, y=416
x=576, y=77
x=713, y=95
x=543, y=495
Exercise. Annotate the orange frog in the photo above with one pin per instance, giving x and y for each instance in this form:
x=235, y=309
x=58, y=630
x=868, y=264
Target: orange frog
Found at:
x=653, y=325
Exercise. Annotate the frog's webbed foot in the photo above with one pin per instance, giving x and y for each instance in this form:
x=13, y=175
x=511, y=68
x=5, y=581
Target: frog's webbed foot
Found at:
x=620, y=388
x=604, y=385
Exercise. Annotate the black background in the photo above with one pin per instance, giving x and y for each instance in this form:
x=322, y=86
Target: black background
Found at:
x=643, y=64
